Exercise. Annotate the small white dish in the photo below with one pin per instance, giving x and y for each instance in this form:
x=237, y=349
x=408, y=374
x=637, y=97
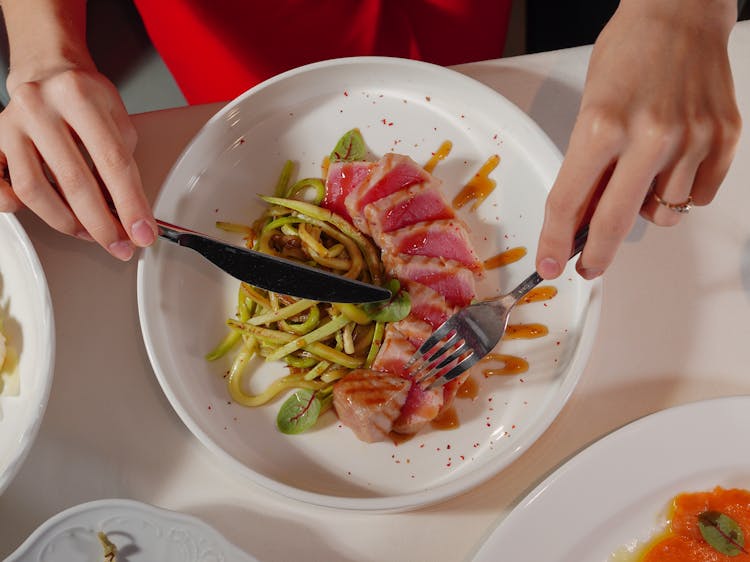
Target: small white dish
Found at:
x=141, y=533
x=614, y=495
x=403, y=106
x=29, y=327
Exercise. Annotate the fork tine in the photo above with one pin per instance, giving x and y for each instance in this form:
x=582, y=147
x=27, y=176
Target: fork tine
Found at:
x=428, y=355
x=434, y=356
x=456, y=371
x=436, y=368
x=444, y=329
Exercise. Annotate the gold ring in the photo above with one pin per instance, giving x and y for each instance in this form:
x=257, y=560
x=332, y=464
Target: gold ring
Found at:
x=682, y=208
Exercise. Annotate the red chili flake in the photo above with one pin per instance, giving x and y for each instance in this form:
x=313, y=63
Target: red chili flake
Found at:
x=384, y=121
x=349, y=472
x=448, y=465
x=521, y=380
x=408, y=461
x=545, y=304
x=476, y=445
x=346, y=93
x=412, y=476
x=448, y=447
x=513, y=426
x=229, y=402
x=421, y=446
x=462, y=116
x=225, y=428
x=488, y=425
x=462, y=458
x=437, y=448
x=489, y=399
x=390, y=124
x=234, y=418
x=428, y=98
x=398, y=462
x=557, y=342
x=242, y=140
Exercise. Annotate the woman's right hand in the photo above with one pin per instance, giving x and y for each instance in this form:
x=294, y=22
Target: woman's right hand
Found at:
x=51, y=117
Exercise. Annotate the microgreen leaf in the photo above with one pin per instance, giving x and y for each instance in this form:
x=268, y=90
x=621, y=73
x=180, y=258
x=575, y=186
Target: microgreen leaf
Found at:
x=299, y=413
x=350, y=148
x=393, y=310
x=721, y=532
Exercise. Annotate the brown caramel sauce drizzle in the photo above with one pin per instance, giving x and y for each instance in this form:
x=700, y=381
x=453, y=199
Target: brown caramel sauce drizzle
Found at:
x=525, y=331
x=440, y=154
x=505, y=258
x=479, y=187
x=539, y=294
x=511, y=365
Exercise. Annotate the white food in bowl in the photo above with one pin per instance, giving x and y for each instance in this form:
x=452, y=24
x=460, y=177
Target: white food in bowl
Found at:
x=28, y=327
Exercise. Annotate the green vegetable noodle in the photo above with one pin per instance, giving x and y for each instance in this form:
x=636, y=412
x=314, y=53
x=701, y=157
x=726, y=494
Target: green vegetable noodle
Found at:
x=319, y=342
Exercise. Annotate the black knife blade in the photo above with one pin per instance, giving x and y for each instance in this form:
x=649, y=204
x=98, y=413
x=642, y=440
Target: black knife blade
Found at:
x=272, y=273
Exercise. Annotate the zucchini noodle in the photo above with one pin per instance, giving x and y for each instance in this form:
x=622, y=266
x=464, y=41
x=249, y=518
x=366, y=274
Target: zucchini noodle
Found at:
x=319, y=342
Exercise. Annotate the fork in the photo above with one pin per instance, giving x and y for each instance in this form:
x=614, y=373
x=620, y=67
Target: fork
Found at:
x=471, y=333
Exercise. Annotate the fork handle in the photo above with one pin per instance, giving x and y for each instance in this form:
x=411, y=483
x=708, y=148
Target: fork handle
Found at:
x=534, y=279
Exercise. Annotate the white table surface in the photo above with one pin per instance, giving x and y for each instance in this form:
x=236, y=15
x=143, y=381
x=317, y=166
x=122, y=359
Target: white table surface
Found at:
x=674, y=328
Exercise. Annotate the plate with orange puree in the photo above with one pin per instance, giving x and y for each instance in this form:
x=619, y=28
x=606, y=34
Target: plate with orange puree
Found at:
x=673, y=486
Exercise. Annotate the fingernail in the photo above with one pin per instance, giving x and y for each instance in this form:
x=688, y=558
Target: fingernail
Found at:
x=83, y=235
x=143, y=233
x=122, y=250
x=590, y=274
x=549, y=268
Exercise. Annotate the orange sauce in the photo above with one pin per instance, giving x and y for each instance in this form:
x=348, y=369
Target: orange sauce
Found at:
x=539, y=294
x=525, y=331
x=505, y=258
x=682, y=540
x=479, y=187
x=440, y=154
x=399, y=438
x=468, y=389
x=511, y=365
x=324, y=166
x=448, y=419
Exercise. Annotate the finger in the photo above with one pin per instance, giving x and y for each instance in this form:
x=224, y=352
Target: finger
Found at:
x=112, y=156
x=32, y=188
x=714, y=168
x=77, y=185
x=670, y=189
x=575, y=189
x=618, y=208
x=9, y=202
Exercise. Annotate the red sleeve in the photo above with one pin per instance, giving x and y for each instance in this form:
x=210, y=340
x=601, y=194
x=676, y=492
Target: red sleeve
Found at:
x=216, y=49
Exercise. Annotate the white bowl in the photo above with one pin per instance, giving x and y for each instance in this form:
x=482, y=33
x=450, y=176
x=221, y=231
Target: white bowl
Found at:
x=399, y=105
x=29, y=327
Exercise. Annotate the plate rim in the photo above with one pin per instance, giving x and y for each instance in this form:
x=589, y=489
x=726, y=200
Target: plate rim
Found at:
x=590, y=451
x=27, y=439
x=392, y=502
x=116, y=504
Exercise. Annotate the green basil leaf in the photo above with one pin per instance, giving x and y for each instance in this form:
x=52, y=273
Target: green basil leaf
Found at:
x=350, y=148
x=299, y=413
x=393, y=310
x=721, y=532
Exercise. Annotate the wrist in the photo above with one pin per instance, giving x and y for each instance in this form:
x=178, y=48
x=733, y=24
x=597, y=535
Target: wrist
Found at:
x=716, y=17
x=57, y=42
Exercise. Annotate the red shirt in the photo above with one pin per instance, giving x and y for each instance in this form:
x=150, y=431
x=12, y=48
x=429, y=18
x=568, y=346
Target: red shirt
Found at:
x=217, y=49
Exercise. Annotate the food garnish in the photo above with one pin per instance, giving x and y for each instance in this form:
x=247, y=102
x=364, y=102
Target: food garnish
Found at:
x=110, y=550
x=722, y=532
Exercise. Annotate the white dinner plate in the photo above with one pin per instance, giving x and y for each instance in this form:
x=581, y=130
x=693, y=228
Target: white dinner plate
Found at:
x=614, y=495
x=403, y=106
x=28, y=325
x=140, y=532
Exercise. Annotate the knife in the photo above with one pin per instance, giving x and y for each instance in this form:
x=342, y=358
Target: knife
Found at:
x=272, y=273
